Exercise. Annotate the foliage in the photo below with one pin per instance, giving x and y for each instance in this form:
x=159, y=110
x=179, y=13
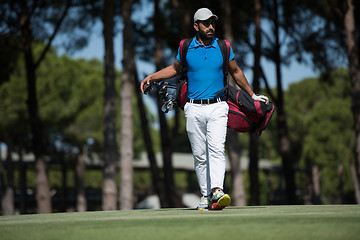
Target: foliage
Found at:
x=8, y=55
x=181, y=141
x=45, y=15
x=13, y=113
x=268, y=148
x=320, y=123
x=70, y=94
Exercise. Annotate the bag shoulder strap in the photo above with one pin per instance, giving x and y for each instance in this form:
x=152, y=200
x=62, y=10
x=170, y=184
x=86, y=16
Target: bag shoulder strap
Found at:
x=225, y=51
x=184, y=46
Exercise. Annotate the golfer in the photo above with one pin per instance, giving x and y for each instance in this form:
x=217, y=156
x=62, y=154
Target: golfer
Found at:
x=206, y=114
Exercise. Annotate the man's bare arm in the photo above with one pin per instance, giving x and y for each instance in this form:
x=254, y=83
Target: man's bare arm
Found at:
x=241, y=80
x=239, y=77
x=165, y=73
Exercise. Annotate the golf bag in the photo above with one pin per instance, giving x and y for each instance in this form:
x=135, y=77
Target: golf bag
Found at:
x=246, y=114
x=167, y=93
x=182, y=85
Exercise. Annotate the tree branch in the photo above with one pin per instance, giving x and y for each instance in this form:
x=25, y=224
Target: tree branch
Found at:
x=57, y=26
x=267, y=86
x=267, y=37
x=16, y=10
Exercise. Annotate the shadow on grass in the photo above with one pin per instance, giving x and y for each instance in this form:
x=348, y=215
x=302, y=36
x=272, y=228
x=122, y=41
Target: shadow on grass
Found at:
x=194, y=209
x=228, y=208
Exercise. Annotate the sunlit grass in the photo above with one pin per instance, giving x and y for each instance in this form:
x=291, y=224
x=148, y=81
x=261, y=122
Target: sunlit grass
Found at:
x=263, y=222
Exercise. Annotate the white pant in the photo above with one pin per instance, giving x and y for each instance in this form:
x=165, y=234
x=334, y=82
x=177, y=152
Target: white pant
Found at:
x=206, y=125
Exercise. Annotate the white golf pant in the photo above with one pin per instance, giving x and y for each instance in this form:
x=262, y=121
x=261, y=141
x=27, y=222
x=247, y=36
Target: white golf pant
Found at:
x=206, y=126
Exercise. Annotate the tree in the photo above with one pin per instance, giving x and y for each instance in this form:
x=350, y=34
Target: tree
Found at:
x=27, y=19
x=148, y=142
x=171, y=198
x=109, y=188
x=317, y=110
x=274, y=12
x=232, y=141
x=353, y=54
x=126, y=134
x=254, y=137
x=156, y=176
x=67, y=100
x=71, y=107
x=329, y=43
x=7, y=201
x=13, y=128
x=166, y=34
x=9, y=53
x=24, y=14
x=81, y=203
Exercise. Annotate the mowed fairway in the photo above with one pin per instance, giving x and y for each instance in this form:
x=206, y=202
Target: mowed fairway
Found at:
x=263, y=222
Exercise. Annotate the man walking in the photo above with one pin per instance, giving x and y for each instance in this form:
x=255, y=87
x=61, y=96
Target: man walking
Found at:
x=205, y=113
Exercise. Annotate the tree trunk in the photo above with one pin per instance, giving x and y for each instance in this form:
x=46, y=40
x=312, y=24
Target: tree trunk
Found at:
x=126, y=150
x=232, y=141
x=254, y=137
x=8, y=201
x=238, y=193
x=226, y=9
x=43, y=197
x=340, y=173
x=283, y=136
x=354, y=66
x=254, y=170
x=109, y=188
x=22, y=182
x=2, y=181
x=172, y=200
x=307, y=196
x=316, y=180
x=155, y=172
x=81, y=204
x=355, y=181
x=64, y=195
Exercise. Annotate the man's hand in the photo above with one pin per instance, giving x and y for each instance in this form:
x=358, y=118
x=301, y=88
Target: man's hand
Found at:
x=165, y=73
x=261, y=98
x=145, y=83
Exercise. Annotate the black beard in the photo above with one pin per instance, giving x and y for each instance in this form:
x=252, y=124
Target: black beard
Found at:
x=203, y=35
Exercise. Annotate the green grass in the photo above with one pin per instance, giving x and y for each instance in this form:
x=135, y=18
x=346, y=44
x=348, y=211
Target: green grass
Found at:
x=263, y=222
